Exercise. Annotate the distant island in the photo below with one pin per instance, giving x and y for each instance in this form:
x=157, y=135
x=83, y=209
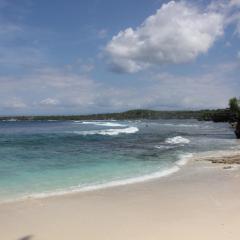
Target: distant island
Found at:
x=218, y=115
x=231, y=115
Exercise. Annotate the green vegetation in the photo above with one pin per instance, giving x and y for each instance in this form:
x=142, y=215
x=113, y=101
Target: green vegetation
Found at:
x=234, y=106
x=204, y=115
x=231, y=114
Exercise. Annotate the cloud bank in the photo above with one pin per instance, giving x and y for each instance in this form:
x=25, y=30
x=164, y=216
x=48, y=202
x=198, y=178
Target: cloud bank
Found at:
x=177, y=33
x=59, y=91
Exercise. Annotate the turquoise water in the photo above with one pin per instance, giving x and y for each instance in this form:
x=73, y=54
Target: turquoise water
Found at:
x=52, y=157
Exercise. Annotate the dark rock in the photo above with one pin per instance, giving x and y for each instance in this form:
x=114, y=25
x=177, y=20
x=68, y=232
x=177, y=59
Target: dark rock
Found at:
x=227, y=167
x=233, y=125
x=237, y=130
x=235, y=159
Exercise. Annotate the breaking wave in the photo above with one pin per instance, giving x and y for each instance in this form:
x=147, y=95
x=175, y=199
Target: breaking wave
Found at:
x=177, y=140
x=106, y=124
x=109, y=132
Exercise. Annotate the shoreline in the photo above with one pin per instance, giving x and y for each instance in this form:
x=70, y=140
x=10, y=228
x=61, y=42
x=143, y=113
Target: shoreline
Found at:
x=154, y=176
x=201, y=201
x=220, y=157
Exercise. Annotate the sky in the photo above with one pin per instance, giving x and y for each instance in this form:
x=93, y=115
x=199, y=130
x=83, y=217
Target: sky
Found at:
x=98, y=56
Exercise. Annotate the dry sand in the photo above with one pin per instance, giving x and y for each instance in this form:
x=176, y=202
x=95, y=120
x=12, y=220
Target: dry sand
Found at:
x=202, y=201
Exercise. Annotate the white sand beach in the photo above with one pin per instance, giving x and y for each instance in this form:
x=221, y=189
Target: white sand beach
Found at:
x=201, y=201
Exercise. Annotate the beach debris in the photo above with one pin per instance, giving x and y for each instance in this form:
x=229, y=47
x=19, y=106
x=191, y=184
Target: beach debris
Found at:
x=227, y=167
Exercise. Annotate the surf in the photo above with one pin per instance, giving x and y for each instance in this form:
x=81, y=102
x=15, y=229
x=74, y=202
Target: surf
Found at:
x=109, y=132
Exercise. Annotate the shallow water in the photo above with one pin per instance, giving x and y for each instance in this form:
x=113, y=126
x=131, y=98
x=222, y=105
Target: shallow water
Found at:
x=42, y=158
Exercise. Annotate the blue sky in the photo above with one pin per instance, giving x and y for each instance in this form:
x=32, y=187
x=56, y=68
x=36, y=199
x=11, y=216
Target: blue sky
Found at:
x=77, y=57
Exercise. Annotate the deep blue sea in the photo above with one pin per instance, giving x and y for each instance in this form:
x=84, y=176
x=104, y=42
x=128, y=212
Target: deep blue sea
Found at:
x=41, y=158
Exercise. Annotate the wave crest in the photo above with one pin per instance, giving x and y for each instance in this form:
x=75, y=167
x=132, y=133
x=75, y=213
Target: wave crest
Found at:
x=109, y=132
x=177, y=140
x=106, y=124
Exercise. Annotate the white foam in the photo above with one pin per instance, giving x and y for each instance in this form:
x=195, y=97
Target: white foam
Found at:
x=100, y=123
x=179, y=125
x=115, y=183
x=10, y=120
x=184, y=158
x=110, y=132
x=177, y=140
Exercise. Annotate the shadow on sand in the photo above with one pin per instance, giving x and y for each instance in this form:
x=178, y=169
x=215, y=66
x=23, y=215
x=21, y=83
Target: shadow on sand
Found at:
x=28, y=237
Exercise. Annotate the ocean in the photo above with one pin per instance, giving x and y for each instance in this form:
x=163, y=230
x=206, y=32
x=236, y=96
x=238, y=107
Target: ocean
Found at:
x=47, y=158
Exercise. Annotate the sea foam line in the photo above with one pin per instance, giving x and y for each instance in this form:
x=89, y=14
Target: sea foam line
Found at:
x=106, y=124
x=183, y=160
x=110, y=132
x=178, y=125
x=115, y=183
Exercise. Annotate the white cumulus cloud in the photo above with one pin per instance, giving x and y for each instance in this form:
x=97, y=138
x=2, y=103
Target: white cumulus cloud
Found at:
x=177, y=33
x=49, y=102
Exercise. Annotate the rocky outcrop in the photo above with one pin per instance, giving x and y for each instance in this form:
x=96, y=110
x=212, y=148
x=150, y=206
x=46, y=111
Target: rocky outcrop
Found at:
x=237, y=130
x=227, y=160
x=223, y=157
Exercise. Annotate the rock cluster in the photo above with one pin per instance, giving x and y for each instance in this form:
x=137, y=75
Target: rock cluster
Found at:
x=227, y=160
x=237, y=130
